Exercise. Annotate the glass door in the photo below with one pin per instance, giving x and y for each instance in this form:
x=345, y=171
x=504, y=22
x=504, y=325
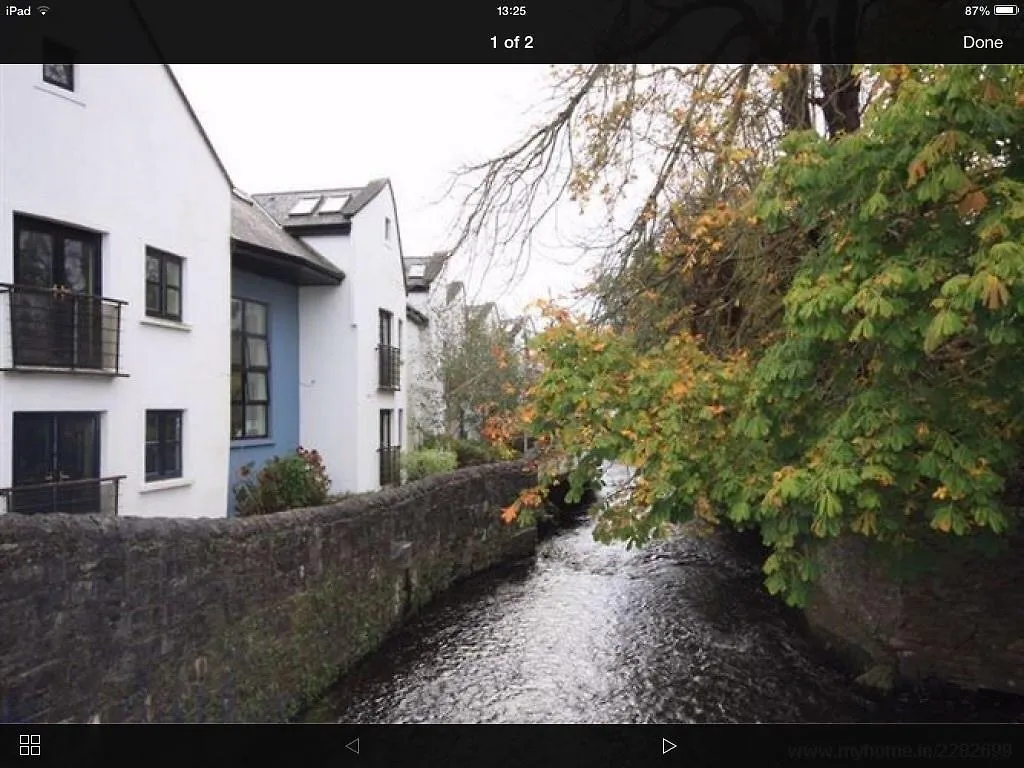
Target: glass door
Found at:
x=56, y=460
x=58, y=315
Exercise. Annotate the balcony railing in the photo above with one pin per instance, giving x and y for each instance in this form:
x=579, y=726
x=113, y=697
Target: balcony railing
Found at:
x=390, y=465
x=92, y=496
x=55, y=330
x=389, y=367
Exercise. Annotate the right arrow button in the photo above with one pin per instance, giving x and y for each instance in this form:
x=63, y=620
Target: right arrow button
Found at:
x=667, y=746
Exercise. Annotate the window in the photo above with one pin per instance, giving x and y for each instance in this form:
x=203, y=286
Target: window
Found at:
x=163, y=444
x=333, y=204
x=387, y=228
x=304, y=207
x=163, y=284
x=398, y=341
x=62, y=75
x=401, y=425
x=250, y=369
x=389, y=452
x=388, y=357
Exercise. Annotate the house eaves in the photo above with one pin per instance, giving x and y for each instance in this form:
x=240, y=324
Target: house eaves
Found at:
x=260, y=244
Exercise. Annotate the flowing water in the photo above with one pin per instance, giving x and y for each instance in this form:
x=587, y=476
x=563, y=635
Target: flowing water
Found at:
x=679, y=632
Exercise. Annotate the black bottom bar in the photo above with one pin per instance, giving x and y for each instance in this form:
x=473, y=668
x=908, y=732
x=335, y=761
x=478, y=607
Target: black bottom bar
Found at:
x=519, y=746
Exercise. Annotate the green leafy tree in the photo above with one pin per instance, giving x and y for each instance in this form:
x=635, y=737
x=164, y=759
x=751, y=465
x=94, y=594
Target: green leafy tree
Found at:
x=881, y=398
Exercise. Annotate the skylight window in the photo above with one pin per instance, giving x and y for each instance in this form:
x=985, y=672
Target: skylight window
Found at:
x=417, y=270
x=304, y=206
x=333, y=204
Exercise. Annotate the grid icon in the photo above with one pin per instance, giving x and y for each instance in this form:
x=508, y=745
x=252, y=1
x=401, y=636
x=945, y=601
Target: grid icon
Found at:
x=30, y=745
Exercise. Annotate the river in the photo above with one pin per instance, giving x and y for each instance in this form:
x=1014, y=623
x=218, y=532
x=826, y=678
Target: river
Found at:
x=679, y=632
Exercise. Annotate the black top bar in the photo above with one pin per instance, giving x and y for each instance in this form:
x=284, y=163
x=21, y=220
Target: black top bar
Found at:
x=552, y=31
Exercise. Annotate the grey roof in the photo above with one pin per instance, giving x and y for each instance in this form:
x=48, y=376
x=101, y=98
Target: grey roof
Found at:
x=433, y=265
x=452, y=291
x=280, y=204
x=252, y=225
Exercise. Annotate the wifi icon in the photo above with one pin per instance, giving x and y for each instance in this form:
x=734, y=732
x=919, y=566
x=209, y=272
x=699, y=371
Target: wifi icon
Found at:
x=43, y=9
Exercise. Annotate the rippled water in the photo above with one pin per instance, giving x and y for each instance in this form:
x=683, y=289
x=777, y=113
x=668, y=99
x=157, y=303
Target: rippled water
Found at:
x=681, y=631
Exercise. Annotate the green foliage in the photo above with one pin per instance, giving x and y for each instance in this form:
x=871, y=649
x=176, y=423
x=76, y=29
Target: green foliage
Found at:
x=428, y=461
x=288, y=482
x=468, y=453
x=887, y=401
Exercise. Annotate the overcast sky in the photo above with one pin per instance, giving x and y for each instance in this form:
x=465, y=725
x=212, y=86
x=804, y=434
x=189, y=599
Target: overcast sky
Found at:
x=281, y=127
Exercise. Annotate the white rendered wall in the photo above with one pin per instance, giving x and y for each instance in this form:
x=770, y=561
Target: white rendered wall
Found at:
x=426, y=390
x=121, y=156
x=340, y=402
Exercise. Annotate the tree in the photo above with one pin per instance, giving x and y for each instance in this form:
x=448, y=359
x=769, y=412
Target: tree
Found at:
x=482, y=369
x=687, y=134
x=881, y=397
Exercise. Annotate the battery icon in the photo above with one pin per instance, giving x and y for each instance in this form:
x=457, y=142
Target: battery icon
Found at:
x=1006, y=10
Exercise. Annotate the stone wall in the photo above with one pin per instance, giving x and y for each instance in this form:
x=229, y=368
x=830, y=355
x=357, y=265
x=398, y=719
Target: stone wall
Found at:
x=179, y=620
x=962, y=623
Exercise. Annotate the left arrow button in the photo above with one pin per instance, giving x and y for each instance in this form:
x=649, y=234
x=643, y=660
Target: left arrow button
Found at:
x=353, y=746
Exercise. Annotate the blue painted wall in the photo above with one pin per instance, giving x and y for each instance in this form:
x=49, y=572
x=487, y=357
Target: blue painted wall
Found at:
x=283, y=331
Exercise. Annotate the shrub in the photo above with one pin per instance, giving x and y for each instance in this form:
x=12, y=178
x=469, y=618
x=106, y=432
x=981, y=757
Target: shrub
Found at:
x=289, y=482
x=428, y=461
x=471, y=453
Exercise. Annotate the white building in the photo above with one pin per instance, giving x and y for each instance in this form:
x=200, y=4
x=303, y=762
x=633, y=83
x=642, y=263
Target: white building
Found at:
x=425, y=312
x=160, y=329
x=352, y=380
x=114, y=318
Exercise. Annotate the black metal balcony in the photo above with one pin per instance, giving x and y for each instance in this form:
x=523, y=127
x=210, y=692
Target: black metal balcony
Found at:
x=390, y=465
x=92, y=496
x=389, y=368
x=55, y=330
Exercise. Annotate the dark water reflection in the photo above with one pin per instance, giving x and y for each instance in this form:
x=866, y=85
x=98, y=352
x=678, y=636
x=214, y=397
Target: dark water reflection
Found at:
x=682, y=631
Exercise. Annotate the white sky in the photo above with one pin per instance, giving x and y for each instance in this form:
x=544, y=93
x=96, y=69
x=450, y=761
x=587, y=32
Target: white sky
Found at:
x=281, y=127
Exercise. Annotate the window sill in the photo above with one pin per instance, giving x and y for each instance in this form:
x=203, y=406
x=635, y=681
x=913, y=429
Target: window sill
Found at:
x=252, y=442
x=165, y=485
x=159, y=322
x=61, y=93
x=109, y=372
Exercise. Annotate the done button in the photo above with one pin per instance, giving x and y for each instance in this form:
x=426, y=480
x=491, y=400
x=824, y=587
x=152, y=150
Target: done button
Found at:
x=982, y=42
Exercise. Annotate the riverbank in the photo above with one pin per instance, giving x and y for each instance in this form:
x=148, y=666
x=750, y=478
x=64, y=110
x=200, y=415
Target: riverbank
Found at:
x=894, y=696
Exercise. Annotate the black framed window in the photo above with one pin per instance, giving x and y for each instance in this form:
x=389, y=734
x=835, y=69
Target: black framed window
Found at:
x=163, y=444
x=63, y=74
x=250, y=370
x=387, y=228
x=384, y=323
x=163, y=284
